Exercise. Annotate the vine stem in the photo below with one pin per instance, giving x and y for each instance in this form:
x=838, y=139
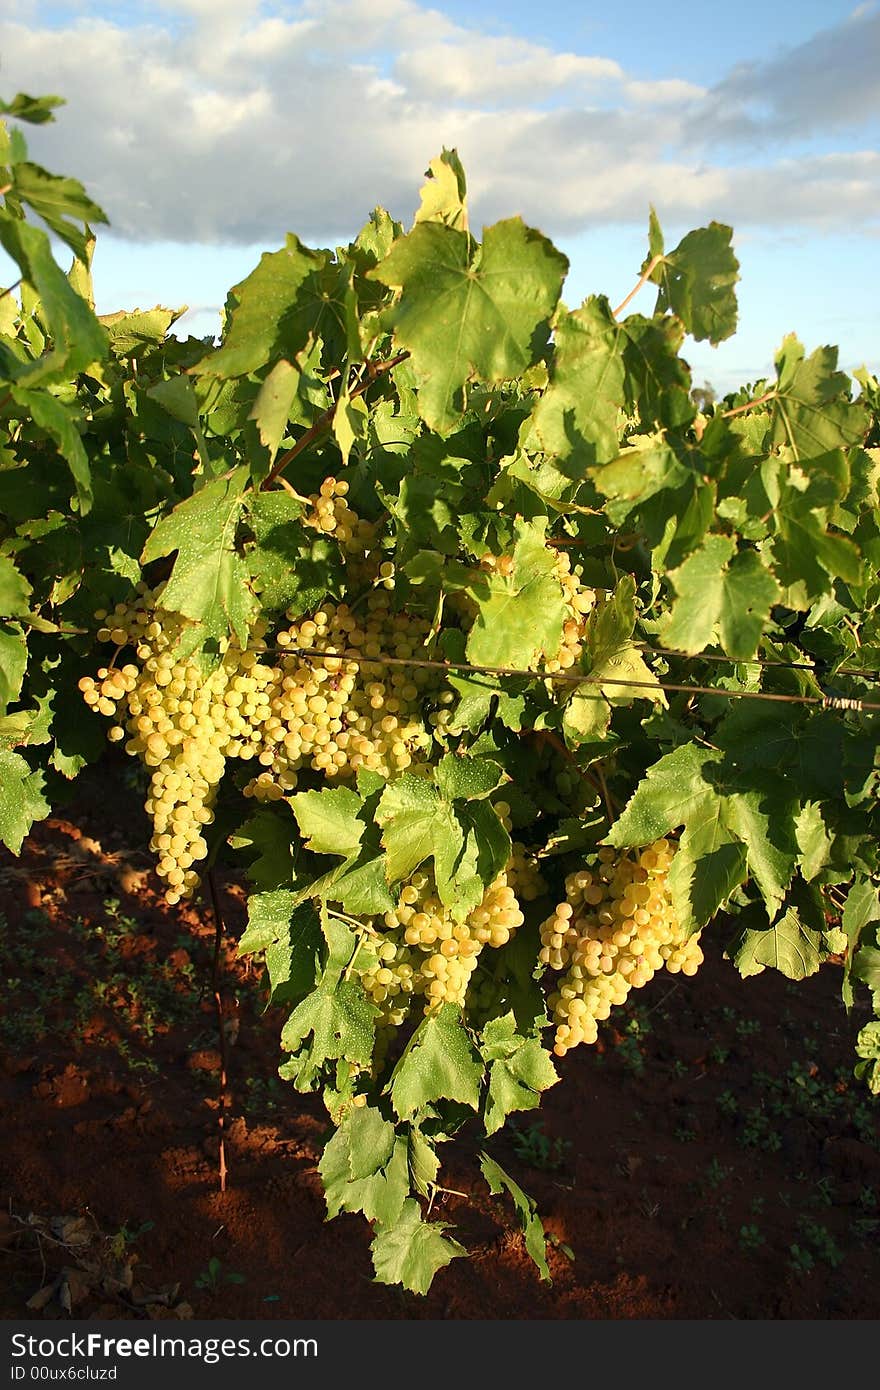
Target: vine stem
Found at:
x=750, y=405
x=643, y=280
x=372, y=370
x=218, y=1004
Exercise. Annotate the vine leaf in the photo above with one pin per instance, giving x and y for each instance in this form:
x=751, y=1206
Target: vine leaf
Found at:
x=329, y=820
x=78, y=340
x=440, y=1063
x=464, y=837
x=697, y=279
x=468, y=311
x=13, y=663
x=520, y=615
x=209, y=580
x=532, y=1226
x=15, y=590
x=794, y=946
x=336, y=1016
x=728, y=832
x=288, y=936
x=21, y=799
x=868, y=1050
x=724, y=592
x=811, y=411
x=411, y=1251
x=365, y=1168
x=443, y=196
x=268, y=835
x=577, y=415
x=519, y=1070
x=260, y=313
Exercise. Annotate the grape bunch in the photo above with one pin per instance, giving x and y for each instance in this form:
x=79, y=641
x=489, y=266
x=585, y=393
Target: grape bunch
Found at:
x=615, y=930
x=315, y=700
x=333, y=709
x=182, y=723
x=424, y=953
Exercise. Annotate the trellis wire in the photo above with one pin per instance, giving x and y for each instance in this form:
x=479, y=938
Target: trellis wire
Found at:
x=835, y=702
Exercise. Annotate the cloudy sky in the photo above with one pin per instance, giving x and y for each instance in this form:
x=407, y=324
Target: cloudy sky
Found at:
x=209, y=128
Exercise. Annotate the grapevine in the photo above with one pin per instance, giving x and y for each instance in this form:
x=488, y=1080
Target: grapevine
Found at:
x=501, y=669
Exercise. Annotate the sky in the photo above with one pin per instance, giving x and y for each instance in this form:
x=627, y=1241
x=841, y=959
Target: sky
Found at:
x=208, y=129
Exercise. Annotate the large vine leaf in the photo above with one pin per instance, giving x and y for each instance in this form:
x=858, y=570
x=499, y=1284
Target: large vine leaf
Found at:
x=260, y=311
x=811, y=411
x=440, y=1063
x=520, y=1069
x=697, y=279
x=578, y=414
x=520, y=614
x=467, y=311
x=723, y=593
x=730, y=830
x=21, y=799
x=411, y=1251
x=209, y=580
x=365, y=1167
x=794, y=946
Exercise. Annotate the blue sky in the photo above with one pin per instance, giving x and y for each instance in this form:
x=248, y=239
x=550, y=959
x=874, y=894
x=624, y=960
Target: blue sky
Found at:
x=208, y=128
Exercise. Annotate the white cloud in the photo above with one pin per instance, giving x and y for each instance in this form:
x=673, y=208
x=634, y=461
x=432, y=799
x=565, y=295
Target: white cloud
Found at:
x=215, y=121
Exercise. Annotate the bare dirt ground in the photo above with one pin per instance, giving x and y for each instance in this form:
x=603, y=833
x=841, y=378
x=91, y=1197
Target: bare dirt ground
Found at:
x=711, y=1158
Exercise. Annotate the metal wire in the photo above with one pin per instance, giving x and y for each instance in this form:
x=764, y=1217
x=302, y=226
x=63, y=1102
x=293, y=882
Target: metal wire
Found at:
x=578, y=678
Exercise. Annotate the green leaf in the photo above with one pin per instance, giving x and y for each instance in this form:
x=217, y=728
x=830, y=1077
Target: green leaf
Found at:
x=468, y=779
x=62, y=423
x=424, y=1165
x=440, y=1063
x=443, y=197
x=719, y=591
x=138, y=330
x=13, y=662
x=411, y=1251
x=813, y=839
x=35, y=110
x=520, y=615
x=15, y=590
x=57, y=200
x=269, y=833
x=78, y=340
x=414, y=822
x=794, y=946
x=532, y=1226
x=337, y=1022
x=658, y=380
x=365, y=1168
x=697, y=280
x=808, y=557
x=209, y=580
x=274, y=404
x=260, y=313
x=868, y=1049
x=577, y=416
x=288, y=935
x=289, y=567
x=866, y=961
x=470, y=312
x=729, y=830
x=21, y=799
x=811, y=411
x=519, y=1070
x=328, y=820
x=862, y=906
